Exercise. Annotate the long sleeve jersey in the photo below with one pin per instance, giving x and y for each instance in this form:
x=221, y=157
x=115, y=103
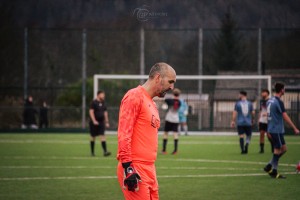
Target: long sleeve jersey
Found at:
x=138, y=127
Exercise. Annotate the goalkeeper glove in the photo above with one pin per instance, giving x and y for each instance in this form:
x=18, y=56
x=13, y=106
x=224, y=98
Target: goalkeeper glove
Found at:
x=131, y=177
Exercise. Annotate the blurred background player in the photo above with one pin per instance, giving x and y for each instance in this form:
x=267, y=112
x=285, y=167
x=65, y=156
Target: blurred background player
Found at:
x=172, y=121
x=29, y=113
x=276, y=115
x=263, y=120
x=244, y=115
x=43, y=118
x=138, y=134
x=183, y=112
x=98, y=122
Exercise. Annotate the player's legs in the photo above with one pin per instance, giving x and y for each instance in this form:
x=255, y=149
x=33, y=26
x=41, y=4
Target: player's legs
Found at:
x=92, y=145
x=142, y=193
x=262, y=141
x=154, y=194
x=175, y=135
x=183, y=124
x=165, y=142
x=165, y=136
x=248, y=131
x=93, y=134
x=180, y=127
x=103, y=140
x=185, y=128
x=154, y=186
x=148, y=187
x=262, y=130
x=241, y=138
x=271, y=141
x=279, y=150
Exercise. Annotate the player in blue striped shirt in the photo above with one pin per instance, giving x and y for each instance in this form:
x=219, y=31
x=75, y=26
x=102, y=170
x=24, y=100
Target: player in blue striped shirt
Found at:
x=243, y=116
x=276, y=115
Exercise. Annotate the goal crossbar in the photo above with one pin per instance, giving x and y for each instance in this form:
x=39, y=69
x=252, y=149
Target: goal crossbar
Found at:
x=183, y=77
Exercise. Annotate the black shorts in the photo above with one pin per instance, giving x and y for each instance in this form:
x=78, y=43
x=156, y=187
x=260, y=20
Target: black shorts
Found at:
x=278, y=140
x=244, y=130
x=96, y=130
x=263, y=127
x=169, y=126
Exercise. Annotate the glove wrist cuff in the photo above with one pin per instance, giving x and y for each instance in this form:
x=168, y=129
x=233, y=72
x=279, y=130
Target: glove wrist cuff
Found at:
x=126, y=165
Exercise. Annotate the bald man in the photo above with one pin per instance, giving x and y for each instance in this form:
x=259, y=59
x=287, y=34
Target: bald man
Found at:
x=138, y=134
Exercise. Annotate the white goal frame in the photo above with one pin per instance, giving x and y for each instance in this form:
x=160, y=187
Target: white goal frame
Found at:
x=182, y=77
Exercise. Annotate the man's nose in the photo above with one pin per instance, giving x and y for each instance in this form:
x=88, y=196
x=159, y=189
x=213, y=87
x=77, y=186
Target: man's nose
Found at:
x=172, y=86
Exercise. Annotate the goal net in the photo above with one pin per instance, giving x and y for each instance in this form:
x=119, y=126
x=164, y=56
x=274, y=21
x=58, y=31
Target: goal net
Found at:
x=210, y=99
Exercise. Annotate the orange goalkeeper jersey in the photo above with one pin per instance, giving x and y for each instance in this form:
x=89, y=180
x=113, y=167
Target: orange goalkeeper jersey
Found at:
x=138, y=127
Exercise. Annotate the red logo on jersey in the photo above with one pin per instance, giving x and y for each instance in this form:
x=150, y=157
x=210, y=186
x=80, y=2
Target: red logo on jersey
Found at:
x=176, y=104
x=154, y=122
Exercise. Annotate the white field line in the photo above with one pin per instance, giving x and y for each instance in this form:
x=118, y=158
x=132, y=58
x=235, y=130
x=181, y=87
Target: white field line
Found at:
x=159, y=167
x=114, y=167
x=18, y=141
x=115, y=177
x=56, y=178
x=217, y=175
x=44, y=141
x=72, y=142
x=196, y=133
x=55, y=158
x=224, y=161
x=160, y=159
x=191, y=133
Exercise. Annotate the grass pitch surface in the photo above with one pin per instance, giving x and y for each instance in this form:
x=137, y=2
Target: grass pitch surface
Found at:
x=59, y=166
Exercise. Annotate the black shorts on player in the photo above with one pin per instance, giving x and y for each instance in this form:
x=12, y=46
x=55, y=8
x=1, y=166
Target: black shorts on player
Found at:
x=263, y=127
x=244, y=130
x=278, y=140
x=169, y=126
x=96, y=130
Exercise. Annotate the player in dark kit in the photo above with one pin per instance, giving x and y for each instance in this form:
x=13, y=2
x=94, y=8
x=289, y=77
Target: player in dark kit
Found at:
x=98, y=122
x=244, y=115
x=276, y=115
x=263, y=121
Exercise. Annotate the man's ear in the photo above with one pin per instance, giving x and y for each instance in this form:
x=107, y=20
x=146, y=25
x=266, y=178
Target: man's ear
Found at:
x=157, y=78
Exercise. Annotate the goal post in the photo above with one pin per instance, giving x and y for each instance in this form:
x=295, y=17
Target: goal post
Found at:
x=97, y=77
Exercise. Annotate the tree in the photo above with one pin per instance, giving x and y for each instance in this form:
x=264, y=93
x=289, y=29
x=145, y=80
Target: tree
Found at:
x=114, y=92
x=228, y=45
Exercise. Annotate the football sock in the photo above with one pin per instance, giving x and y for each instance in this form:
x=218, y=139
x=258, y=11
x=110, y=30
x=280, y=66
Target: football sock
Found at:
x=103, y=144
x=275, y=160
x=248, y=138
x=92, y=144
x=262, y=145
x=165, y=141
x=180, y=128
x=185, y=129
x=242, y=143
x=175, y=144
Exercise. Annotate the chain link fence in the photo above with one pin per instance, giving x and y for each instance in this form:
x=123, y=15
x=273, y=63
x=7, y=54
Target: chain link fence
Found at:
x=47, y=64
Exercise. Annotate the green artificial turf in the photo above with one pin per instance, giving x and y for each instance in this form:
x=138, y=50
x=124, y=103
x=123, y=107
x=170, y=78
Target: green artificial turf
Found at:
x=59, y=166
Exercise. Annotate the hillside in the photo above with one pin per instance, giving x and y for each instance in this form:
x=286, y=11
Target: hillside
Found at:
x=118, y=14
